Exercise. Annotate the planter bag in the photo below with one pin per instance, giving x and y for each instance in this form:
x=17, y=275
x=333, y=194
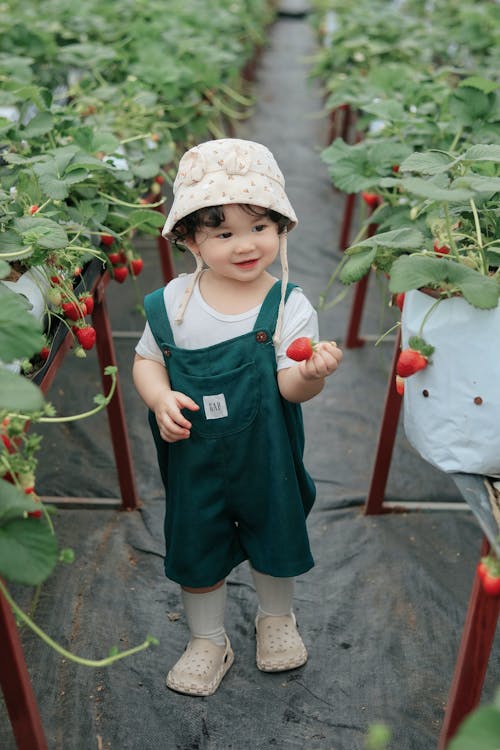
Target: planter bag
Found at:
x=452, y=408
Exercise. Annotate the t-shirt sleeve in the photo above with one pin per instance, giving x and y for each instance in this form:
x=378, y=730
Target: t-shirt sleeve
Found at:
x=299, y=319
x=147, y=346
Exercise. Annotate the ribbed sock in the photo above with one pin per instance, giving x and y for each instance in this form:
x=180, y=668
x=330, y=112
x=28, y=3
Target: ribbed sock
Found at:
x=275, y=595
x=205, y=614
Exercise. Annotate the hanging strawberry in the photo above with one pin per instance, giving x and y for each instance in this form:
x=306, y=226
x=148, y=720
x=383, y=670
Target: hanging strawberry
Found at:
x=372, y=200
x=489, y=572
x=136, y=266
x=414, y=358
x=86, y=336
x=73, y=310
x=87, y=301
x=120, y=273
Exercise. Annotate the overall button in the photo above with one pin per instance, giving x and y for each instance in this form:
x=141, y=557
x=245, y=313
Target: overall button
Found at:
x=167, y=352
x=261, y=337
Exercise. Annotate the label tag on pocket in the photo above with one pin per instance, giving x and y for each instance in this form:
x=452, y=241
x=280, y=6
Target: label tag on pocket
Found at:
x=215, y=406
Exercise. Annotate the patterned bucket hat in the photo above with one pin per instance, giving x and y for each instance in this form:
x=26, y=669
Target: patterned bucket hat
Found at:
x=228, y=170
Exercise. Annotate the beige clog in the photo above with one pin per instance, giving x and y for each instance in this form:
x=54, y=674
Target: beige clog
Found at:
x=201, y=667
x=279, y=645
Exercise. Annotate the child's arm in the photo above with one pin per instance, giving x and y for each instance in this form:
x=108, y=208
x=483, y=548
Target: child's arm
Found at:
x=153, y=386
x=306, y=379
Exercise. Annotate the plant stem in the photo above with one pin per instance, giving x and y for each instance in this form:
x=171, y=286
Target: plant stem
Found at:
x=428, y=314
x=119, y=202
x=479, y=236
x=62, y=651
x=450, y=232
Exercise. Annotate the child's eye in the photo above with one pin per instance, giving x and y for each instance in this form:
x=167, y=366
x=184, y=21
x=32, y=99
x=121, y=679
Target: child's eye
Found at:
x=224, y=235
x=259, y=227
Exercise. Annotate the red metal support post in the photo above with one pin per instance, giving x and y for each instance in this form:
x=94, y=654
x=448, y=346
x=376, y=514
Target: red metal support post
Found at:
x=386, y=439
x=473, y=656
x=16, y=685
x=116, y=410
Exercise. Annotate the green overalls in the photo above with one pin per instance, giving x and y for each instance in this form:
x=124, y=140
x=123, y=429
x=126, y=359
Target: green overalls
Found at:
x=237, y=488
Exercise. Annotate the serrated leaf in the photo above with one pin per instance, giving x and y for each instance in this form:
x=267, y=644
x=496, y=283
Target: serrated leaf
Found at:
x=44, y=232
x=28, y=551
x=19, y=394
x=478, y=82
x=11, y=243
x=431, y=191
x=14, y=503
x=357, y=266
x=41, y=124
x=478, y=183
x=482, y=152
x=480, y=730
x=20, y=333
x=427, y=162
x=418, y=271
x=405, y=238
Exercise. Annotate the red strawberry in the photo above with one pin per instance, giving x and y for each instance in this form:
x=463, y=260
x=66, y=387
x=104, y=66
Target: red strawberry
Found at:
x=44, y=353
x=86, y=336
x=88, y=301
x=441, y=249
x=73, y=311
x=399, y=300
x=159, y=179
x=395, y=168
x=120, y=273
x=300, y=349
x=400, y=385
x=107, y=239
x=33, y=209
x=114, y=258
x=55, y=279
x=371, y=199
x=136, y=265
x=409, y=362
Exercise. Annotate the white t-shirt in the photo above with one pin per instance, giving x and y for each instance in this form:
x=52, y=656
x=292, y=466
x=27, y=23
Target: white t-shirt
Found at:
x=203, y=326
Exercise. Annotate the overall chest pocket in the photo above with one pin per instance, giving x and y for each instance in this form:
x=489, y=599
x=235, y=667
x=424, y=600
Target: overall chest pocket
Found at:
x=229, y=402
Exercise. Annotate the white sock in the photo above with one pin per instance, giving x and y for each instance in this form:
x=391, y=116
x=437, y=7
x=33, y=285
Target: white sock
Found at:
x=275, y=595
x=205, y=614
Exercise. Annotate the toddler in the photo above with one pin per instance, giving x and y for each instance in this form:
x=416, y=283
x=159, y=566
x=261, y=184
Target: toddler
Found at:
x=224, y=406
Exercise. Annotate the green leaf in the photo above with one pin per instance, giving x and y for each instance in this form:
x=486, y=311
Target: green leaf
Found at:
x=357, y=266
x=478, y=183
x=418, y=271
x=20, y=333
x=427, y=162
x=431, y=191
x=43, y=232
x=17, y=393
x=480, y=730
x=14, y=503
x=41, y=124
x=482, y=152
x=405, y=238
x=478, y=82
x=28, y=551
x=4, y=269
x=11, y=243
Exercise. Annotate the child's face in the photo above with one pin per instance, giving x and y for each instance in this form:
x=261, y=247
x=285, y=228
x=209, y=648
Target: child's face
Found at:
x=240, y=248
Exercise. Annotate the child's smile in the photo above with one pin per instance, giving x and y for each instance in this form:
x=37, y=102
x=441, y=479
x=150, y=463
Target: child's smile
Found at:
x=241, y=248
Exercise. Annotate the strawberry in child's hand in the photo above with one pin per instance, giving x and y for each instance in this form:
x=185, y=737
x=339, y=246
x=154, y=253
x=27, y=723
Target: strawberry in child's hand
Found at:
x=414, y=358
x=120, y=273
x=301, y=349
x=86, y=336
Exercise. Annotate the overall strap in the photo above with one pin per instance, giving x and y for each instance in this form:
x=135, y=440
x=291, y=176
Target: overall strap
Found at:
x=156, y=314
x=269, y=310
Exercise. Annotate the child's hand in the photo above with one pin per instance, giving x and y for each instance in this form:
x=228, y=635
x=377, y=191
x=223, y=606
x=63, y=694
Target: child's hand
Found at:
x=172, y=423
x=324, y=360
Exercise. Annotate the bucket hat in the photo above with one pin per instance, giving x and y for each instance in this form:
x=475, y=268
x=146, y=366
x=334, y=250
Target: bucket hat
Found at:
x=228, y=170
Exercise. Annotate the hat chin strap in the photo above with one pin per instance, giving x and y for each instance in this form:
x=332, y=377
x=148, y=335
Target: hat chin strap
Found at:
x=189, y=290
x=284, y=283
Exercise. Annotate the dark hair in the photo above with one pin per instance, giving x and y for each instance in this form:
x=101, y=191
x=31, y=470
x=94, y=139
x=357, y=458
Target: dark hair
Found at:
x=213, y=216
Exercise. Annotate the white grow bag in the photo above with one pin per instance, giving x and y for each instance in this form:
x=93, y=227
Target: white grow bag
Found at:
x=452, y=408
